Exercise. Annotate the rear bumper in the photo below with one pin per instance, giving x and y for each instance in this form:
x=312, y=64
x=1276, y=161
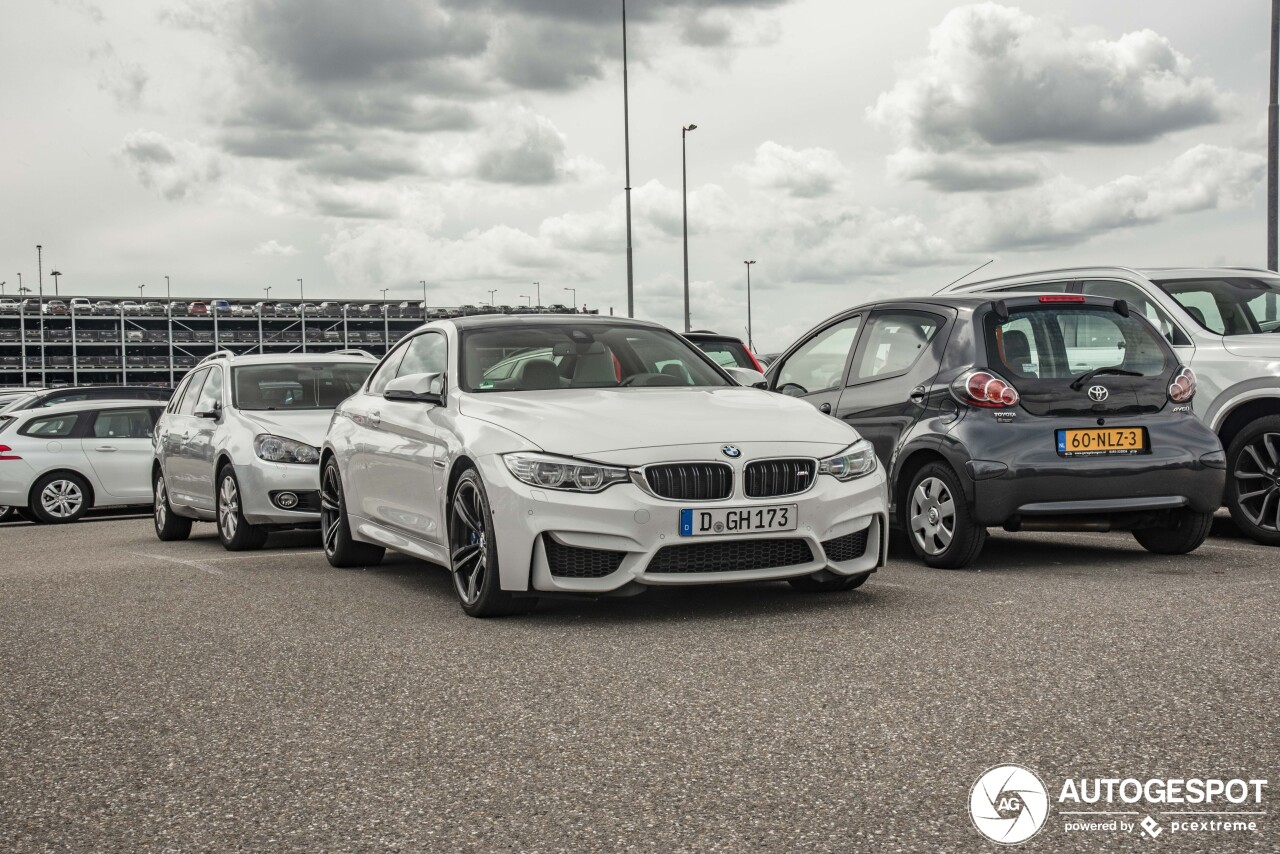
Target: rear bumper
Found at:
x=1016, y=472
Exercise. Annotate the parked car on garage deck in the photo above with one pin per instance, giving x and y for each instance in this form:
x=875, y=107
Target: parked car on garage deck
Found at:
x=1050, y=412
x=725, y=350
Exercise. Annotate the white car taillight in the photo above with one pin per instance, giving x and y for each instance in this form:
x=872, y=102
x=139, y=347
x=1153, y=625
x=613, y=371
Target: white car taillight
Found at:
x=6, y=453
x=1183, y=387
x=985, y=388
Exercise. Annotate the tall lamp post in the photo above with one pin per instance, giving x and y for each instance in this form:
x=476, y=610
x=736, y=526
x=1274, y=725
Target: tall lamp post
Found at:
x=529, y=298
x=750, y=343
x=302, y=314
x=538, y=292
x=140, y=287
x=626, y=149
x=684, y=184
x=2, y=284
x=268, y=290
x=574, y=291
x=423, y=282
x=56, y=275
x=492, y=302
x=168, y=292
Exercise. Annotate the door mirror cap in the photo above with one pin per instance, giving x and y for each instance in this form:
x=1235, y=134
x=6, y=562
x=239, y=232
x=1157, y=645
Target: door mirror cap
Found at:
x=212, y=414
x=420, y=388
x=747, y=377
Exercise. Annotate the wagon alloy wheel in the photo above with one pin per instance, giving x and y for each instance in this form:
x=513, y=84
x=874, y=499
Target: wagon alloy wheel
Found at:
x=933, y=516
x=169, y=525
x=470, y=543
x=161, y=505
x=473, y=553
x=61, y=499
x=1257, y=481
x=234, y=530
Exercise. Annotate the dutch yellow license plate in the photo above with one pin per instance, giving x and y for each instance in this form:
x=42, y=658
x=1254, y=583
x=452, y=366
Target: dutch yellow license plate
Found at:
x=1102, y=441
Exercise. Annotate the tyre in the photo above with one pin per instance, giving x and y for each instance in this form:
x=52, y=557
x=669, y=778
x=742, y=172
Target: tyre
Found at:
x=809, y=584
x=939, y=521
x=8, y=514
x=1253, y=480
x=59, y=498
x=169, y=525
x=473, y=551
x=340, y=549
x=1186, y=530
x=236, y=534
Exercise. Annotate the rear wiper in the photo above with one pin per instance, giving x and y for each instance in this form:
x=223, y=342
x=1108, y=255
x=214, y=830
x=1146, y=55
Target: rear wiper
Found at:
x=1088, y=375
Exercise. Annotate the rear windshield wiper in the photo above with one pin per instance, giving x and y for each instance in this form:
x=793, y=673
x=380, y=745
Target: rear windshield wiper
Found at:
x=1088, y=375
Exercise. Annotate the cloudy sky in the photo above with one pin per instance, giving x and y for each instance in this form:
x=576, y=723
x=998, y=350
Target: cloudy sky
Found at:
x=477, y=145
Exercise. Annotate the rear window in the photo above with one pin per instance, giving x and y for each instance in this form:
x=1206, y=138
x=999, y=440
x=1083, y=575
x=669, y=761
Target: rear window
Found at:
x=1060, y=342
x=727, y=354
x=1231, y=305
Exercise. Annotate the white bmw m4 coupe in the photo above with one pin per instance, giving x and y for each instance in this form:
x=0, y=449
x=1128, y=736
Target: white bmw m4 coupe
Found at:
x=553, y=455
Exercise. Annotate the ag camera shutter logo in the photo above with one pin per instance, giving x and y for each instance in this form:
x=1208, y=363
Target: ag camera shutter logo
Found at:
x=1008, y=804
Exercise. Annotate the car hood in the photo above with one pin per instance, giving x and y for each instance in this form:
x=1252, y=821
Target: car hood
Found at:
x=308, y=425
x=581, y=422
x=1262, y=346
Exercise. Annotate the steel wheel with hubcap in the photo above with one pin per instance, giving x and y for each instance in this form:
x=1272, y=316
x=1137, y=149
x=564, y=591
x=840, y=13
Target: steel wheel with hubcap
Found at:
x=169, y=525
x=938, y=521
x=60, y=498
x=1253, y=480
x=340, y=549
x=474, y=554
x=237, y=535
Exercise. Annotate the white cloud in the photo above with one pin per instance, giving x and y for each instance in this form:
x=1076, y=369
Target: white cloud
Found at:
x=996, y=76
x=176, y=169
x=804, y=173
x=276, y=248
x=1064, y=212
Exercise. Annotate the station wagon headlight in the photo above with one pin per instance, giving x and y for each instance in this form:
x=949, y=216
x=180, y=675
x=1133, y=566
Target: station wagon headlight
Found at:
x=550, y=472
x=277, y=449
x=854, y=461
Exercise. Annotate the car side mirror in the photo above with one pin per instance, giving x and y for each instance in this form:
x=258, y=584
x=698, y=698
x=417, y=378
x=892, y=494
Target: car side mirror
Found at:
x=793, y=390
x=212, y=414
x=748, y=377
x=418, y=388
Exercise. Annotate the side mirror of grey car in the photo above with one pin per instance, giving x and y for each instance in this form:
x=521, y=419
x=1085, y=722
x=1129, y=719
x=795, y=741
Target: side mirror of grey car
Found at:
x=421, y=388
x=748, y=377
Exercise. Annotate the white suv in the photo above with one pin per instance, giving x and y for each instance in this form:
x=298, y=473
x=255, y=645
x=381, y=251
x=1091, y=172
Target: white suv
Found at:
x=1224, y=322
x=238, y=443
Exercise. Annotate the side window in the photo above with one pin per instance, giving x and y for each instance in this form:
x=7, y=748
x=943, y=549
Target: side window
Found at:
x=386, y=372
x=52, y=427
x=1038, y=287
x=894, y=341
x=819, y=363
x=192, y=391
x=211, y=394
x=426, y=354
x=122, y=424
x=1136, y=298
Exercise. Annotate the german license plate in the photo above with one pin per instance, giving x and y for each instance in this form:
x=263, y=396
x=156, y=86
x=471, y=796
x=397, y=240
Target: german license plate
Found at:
x=1102, y=441
x=738, y=520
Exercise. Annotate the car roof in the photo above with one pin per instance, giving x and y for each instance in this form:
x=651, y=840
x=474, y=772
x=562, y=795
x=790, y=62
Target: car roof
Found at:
x=283, y=358
x=523, y=320
x=1105, y=271
x=86, y=405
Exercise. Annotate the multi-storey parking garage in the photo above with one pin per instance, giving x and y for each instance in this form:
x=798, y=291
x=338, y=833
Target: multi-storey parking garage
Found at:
x=128, y=346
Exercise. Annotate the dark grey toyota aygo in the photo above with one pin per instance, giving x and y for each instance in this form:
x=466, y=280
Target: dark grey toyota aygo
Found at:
x=1053, y=412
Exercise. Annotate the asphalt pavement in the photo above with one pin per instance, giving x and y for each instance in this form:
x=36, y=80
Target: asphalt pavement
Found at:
x=176, y=697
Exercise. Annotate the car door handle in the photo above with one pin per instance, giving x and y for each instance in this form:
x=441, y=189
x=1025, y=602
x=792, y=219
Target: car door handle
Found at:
x=106, y=449
x=375, y=418
x=917, y=394
x=825, y=408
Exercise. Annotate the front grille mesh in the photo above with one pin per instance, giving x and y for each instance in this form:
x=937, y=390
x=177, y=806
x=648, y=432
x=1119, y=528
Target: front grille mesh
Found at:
x=848, y=547
x=574, y=562
x=691, y=481
x=733, y=556
x=772, y=478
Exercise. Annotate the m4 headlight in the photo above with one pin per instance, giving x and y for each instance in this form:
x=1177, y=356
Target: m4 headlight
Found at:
x=854, y=461
x=551, y=472
x=277, y=449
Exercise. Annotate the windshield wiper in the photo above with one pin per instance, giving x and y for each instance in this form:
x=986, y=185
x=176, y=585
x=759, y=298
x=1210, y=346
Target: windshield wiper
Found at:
x=1088, y=375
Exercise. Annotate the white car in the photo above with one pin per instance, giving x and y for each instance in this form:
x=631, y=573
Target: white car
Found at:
x=559, y=455
x=57, y=462
x=239, y=442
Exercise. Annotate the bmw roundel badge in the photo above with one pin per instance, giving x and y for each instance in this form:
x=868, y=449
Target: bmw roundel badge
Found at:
x=731, y=451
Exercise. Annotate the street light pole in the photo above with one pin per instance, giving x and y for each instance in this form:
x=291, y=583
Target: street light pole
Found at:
x=626, y=148
x=423, y=282
x=751, y=344
x=538, y=285
x=684, y=184
x=140, y=287
x=40, y=283
x=56, y=275
x=529, y=298
x=168, y=291
x=492, y=301
x=574, y=291
x=268, y=290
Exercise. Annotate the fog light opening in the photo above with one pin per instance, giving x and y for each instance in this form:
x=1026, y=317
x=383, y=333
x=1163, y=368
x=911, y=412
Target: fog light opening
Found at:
x=287, y=500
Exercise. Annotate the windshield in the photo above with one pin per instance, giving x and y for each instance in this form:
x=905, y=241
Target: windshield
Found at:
x=1056, y=342
x=1229, y=305
x=533, y=358
x=309, y=385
